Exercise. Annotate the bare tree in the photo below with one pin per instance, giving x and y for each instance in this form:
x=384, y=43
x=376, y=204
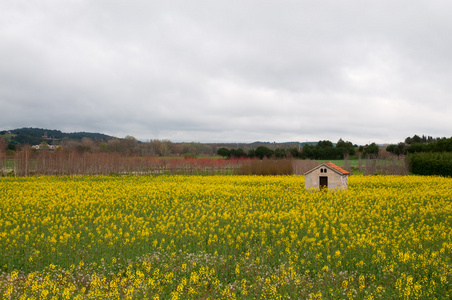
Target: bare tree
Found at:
x=3, y=145
x=22, y=161
x=300, y=166
x=347, y=165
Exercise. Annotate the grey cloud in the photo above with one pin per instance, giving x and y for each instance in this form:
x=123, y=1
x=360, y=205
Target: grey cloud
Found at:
x=228, y=70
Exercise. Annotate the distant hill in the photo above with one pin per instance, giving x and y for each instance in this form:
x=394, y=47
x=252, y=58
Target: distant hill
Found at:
x=270, y=145
x=35, y=136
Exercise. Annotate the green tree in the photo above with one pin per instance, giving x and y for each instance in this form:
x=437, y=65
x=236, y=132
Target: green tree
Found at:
x=371, y=149
x=223, y=152
x=345, y=148
x=442, y=145
x=324, y=144
x=398, y=149
x=325, y=150
x=280, y=153
x=263, y=151
x=418, y=147
x=237, y=153
x=308, y=151
x=43, y=146
x=293, y=152
x=391, y=148
x=413, y=140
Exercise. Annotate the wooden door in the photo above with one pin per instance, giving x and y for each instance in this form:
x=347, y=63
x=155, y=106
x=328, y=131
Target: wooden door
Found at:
x=323, y=182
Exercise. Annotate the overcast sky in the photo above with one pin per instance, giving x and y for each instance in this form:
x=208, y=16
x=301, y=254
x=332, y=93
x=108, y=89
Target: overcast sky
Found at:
x=228, y=70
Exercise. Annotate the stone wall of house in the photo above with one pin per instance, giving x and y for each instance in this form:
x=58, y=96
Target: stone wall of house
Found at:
x=335, y=180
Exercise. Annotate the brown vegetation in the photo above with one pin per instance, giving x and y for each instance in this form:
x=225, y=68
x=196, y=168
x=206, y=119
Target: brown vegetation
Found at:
x=85, y=163
x=386, y=165
x=302, y=166
x=266, y=167
x=77, y=161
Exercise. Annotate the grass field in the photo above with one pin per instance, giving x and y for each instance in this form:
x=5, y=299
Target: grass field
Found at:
x=341, y=163
x=224, y=237
x=391, y=165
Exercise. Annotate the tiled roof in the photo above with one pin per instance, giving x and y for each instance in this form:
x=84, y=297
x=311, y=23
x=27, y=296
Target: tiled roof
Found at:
x=331, y=166
x=337, y=168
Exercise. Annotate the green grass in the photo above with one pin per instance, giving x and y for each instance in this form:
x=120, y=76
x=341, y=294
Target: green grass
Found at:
x=8, y=167
x=354, y=161
x=341, y=163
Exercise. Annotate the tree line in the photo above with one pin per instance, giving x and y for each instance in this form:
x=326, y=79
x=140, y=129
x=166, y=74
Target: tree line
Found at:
x=85, y=142
x=324, y=149
x=130, y=146
x=417, y=144
x=426, y=155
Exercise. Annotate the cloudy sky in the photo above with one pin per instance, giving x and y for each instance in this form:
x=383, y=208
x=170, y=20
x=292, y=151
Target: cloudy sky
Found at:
x=228, y=70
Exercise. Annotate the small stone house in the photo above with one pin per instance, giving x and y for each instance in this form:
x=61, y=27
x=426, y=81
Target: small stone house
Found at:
x=326, y=176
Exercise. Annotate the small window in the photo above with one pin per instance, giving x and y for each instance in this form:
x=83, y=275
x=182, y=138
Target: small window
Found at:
x=321, y=170
x=324, y=170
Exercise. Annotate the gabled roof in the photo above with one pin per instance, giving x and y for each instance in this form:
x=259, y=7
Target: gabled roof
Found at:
x=330, y=166
x=337, y=168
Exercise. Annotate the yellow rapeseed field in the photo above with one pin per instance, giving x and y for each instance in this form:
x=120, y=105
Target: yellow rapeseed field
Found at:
x=224, y=237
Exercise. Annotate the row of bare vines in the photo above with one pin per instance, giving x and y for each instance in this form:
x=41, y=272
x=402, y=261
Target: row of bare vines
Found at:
x=27, y=162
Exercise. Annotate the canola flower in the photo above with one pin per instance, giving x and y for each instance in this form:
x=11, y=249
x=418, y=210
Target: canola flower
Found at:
x=224, y=237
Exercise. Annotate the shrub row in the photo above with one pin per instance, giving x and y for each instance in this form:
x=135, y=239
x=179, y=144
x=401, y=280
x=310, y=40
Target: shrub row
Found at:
x=428, y=163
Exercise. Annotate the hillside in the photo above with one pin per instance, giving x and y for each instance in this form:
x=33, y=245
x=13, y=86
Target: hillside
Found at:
x=34, y=136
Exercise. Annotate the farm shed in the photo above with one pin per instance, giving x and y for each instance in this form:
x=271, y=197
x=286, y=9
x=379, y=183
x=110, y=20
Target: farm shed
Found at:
x=326, y=175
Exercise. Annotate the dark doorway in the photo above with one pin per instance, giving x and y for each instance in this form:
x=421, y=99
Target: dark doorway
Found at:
x=323, y=184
